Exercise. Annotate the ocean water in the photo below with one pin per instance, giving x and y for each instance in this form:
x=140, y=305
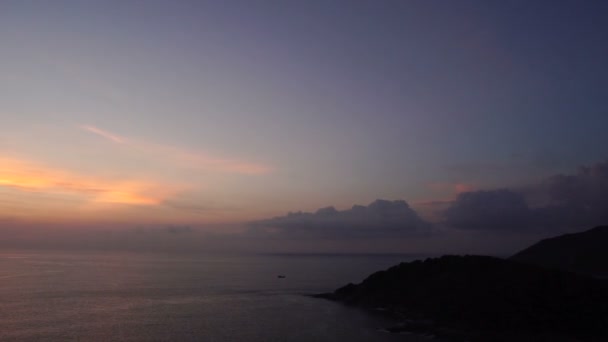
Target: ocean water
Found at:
x=53, y=296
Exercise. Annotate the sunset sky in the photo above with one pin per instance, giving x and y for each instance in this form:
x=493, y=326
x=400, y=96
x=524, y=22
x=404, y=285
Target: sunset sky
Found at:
x=127, y=113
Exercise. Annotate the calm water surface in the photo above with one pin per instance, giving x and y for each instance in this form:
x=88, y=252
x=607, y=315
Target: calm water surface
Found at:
x=51, y=296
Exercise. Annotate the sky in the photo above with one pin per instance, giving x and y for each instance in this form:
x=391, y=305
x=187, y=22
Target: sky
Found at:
x=228, y=115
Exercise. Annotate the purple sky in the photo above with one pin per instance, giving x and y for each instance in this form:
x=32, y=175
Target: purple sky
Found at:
x=209, y=112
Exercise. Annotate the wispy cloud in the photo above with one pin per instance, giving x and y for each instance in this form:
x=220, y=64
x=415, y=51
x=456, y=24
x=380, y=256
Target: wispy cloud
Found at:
x=184, y=157
x=32, y=177
x=107, y=135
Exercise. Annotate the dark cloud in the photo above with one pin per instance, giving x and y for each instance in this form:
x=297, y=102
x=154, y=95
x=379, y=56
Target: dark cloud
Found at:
x=587, y=188
x=559, y=201
x=381, y=218
x=495, y=209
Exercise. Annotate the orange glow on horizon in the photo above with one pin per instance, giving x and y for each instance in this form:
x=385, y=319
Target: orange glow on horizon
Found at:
x=30, y=177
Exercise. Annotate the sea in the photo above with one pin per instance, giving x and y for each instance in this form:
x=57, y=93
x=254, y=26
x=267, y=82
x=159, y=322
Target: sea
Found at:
x=116, y=296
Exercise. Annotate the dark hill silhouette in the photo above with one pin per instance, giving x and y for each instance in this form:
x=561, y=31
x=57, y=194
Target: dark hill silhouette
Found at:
x=585, y=252
x=481, y=298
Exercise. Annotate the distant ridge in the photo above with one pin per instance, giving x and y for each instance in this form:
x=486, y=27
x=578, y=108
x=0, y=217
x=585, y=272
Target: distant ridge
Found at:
x=585, y=252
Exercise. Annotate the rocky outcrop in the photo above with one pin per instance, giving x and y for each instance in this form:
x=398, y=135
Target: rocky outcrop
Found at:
x=481, y=298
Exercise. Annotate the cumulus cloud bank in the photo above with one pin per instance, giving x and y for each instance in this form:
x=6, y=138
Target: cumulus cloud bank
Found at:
x=559, y=201
x=381, y=218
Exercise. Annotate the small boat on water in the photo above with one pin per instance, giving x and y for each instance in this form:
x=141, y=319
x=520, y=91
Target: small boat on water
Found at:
x=281, y=276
